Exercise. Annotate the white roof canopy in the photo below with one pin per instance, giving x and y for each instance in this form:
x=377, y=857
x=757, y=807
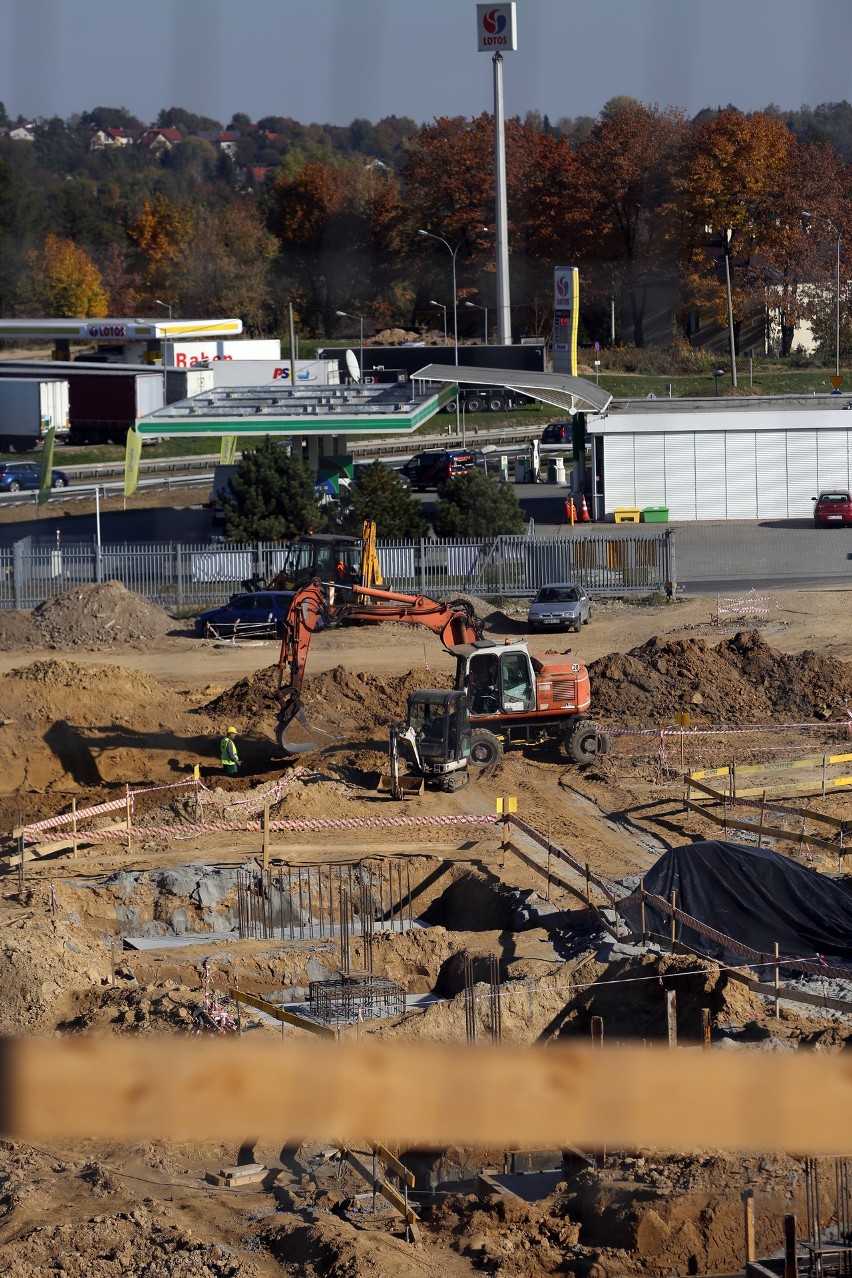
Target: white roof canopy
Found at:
x=571, y=394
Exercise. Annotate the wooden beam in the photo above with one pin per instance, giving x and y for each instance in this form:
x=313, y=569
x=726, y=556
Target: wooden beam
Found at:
x=424, y=1094
x=281, y=1013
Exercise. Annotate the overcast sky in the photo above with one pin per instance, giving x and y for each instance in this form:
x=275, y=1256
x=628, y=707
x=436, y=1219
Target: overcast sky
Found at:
x=332, y=61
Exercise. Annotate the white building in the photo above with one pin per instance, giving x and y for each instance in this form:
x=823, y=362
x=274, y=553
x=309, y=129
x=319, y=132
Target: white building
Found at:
x=749, y=458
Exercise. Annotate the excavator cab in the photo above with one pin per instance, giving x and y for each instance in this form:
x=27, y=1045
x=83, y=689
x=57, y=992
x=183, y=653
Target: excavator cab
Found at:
x=499, y=680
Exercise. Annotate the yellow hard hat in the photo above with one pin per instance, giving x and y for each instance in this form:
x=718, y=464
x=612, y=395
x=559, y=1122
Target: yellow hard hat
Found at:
x=228, y=731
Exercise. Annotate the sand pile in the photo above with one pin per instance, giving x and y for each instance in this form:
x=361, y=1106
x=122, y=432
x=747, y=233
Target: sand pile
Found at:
x=742, y=680
x=17, y=631
x=338, y=700
x=102, y=613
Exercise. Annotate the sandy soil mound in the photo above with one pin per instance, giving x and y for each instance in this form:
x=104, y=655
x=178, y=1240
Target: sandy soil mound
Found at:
x=338, y=699
x=40, y=971
x=742, y=680
x=17, y=631
x=102, y=613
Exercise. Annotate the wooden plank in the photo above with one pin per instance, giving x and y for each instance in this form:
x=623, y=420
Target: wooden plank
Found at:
x=425, y=1094
x=791, y=996
x=393, y=1162
x=280, y=1014
x=733, y=822
x=708, y=772
x=387, y=1191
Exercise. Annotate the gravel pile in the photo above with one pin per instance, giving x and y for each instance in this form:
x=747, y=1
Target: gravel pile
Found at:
x=103, y=613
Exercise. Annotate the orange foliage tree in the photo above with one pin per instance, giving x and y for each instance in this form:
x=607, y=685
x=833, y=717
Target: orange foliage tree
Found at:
x=620, y=193
x=64, y=280
x=158, y=234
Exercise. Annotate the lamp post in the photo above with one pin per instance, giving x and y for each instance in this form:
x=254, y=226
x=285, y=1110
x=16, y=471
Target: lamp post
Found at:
x=452, y=252
x=727, y=236
x=823, y=218
x=716, y=374
x=360, y=319
x=477, y=306
x=444, y=309
x=167, y=306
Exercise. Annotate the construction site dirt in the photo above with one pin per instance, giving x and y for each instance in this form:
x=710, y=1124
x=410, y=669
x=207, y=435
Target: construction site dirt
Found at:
x=108, y=701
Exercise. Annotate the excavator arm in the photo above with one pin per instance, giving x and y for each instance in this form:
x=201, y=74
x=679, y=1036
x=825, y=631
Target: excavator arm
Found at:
x=453, y=623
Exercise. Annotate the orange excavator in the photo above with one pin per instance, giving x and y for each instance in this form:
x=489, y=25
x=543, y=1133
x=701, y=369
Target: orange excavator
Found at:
x=512, y=696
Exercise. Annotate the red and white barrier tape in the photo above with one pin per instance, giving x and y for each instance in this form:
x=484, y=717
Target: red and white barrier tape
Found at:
x=673, y=730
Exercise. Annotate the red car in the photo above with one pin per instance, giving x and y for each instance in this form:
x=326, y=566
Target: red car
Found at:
x=834, y=506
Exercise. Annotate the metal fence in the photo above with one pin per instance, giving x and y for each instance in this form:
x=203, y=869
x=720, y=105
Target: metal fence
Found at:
x=191, y=577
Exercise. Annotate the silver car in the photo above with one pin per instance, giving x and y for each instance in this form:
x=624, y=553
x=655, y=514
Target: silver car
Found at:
x=559, y=607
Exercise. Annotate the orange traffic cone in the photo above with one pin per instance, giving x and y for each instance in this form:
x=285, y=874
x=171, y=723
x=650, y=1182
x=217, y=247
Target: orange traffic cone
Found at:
x=585, y=517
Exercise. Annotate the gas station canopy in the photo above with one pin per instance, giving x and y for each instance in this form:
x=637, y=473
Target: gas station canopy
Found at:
x=278, y=409
x=568, y=393
x=114, y=330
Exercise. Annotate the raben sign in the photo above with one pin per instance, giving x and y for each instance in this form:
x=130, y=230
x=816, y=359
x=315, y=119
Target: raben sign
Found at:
x=496, y=31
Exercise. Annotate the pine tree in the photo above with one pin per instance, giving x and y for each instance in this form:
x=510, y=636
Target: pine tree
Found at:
x=477, y=505
x=379, y=494
x=271, y=497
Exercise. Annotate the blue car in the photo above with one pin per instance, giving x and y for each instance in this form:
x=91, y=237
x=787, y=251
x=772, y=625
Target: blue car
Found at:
x=16, y=476
x=254, y=616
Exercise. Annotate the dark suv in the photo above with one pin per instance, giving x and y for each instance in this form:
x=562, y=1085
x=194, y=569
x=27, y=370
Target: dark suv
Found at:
x=558, y=434
x=435, y=466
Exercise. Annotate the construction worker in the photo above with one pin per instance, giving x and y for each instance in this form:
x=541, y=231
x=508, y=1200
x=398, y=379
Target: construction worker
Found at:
x=228, y=752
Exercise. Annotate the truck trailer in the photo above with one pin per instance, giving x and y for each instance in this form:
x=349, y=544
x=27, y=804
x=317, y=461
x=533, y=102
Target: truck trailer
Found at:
x=401, y=363
x=104, y=399
x=28, y=409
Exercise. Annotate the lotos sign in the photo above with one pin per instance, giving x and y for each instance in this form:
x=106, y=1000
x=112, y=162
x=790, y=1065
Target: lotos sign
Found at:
x=496, y=30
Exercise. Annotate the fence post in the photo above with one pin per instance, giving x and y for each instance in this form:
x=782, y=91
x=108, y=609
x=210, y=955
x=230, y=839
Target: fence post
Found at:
x=421, y=590
x=669, y=558
x=18, y=568
x=179, y=572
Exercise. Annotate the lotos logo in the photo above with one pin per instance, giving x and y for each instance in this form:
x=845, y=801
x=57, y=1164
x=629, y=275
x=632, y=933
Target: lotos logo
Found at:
x=494, y=22
x=563, y=286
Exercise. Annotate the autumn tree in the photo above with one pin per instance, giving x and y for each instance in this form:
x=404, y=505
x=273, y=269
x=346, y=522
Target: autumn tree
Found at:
x=619, y=195
x=271, y=496
x=224, y=266
x=331, y=248
x=731, y=200
x=448, y=189
x=159, y=233
x=64, y=280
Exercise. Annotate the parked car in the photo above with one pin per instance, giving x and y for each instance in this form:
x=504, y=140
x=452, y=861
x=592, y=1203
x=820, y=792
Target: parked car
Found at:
x=16, y=476
x=557, y=435
x=560, y=606
x=435, y=466
x=257, y=616
x=833, y=506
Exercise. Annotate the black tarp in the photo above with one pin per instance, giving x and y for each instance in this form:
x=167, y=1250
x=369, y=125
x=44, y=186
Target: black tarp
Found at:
x=750, y=894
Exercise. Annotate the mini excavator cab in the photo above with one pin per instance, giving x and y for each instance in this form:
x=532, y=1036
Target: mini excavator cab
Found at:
x=437, y=730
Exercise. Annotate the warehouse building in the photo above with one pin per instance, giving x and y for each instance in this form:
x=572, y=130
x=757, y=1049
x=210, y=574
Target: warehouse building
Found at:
x=743, y=458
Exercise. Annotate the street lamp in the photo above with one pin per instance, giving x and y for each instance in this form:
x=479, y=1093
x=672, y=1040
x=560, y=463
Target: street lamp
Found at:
x=166, y=305
x=360, y=319
x=452, y=252
x=823, y=218
x=478, y=307
x=444, y=309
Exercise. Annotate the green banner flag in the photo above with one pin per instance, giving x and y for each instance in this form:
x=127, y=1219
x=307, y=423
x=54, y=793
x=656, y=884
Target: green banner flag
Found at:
x=44, y=484
x=227, y=450
x=132, y=454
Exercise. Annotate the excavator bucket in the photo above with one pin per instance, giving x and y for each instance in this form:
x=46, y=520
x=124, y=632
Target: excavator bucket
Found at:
x=395, y=783
x=406, y=787
x=291, y=708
